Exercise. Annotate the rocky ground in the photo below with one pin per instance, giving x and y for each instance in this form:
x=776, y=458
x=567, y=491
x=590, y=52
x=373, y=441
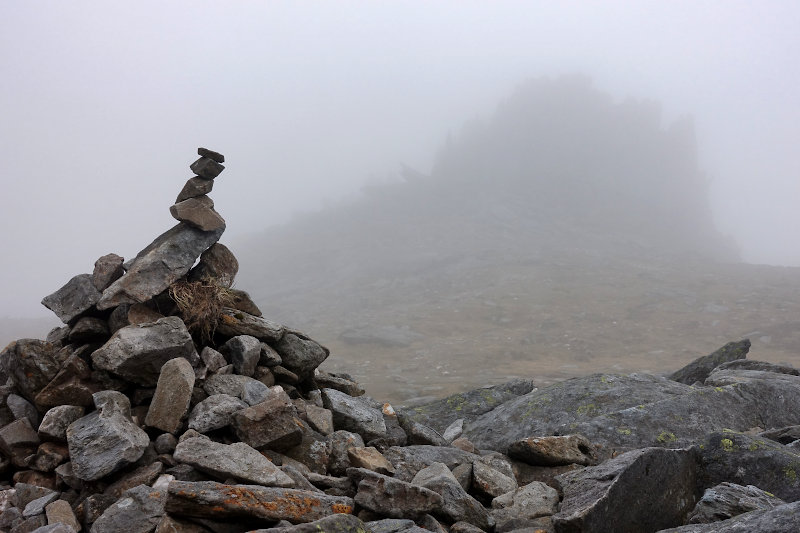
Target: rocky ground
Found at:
x=167, y=403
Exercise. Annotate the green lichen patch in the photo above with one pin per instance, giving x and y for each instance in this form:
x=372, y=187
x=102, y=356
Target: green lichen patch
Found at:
x=666, y=437
x=727, y=445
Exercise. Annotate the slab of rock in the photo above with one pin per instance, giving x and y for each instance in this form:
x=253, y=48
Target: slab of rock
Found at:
x=22, y=408
x=36, y=507
x=784, y=435
x=105, y=440
x=272, y=424
x=553, y=450
x=144, y=475
x=749, y=364
x=747, y=460
x=642, y=490
x=170, y=402
x=217, y=264
x=18, y=440
x=700, y=368
x=320, y=419
x=55, y=421
x=247, y=389
x=207, y=499
x=333, y=381
x=72, y=385
x=781, y=519
x=457, y=505
x=198, y=212
x=243, y=351
x=531, y=501
x=30, y=364
x=421, y=434
x=159, y=265
x=60, y=512
x=408, y=460
x=211, y=154
x=241, y=300
x=237, y=460
x=206, y=168
x=371, y=459
x=354, y=414
x=337, y=523
x=727, y=500
x=73, y=299
x=392, y=497
x=215, y=412
x=233, y=322
x=138, y=511
x=137, y=353
x=195, y=187
x=300, y=355
x=491, y=482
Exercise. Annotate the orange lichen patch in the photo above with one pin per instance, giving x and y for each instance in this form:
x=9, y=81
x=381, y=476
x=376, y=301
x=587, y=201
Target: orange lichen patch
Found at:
x=292, y=506
x=228, y=319
x=340, y=508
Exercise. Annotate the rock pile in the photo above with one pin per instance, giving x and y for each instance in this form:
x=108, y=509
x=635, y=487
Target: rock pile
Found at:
x=167, y=403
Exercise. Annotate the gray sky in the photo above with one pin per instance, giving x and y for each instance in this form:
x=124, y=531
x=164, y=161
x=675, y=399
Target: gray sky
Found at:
x=103, y=105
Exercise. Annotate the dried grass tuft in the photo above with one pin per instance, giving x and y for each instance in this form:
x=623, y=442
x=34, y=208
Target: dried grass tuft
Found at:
x=200, y=304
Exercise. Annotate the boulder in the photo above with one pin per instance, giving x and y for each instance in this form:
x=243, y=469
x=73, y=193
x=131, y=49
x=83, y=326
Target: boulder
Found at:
x=207, y=499
x=167, y=259
x=300, y=355
x=56, y=420
x=214, y=412
x=639, y=491
x=699, y=369
x=105, y=440
x=72, y=385
x=489, y=481
x=198, y=212
x=531, y=501
x=219, y=265
x=392, y=497
x=727, y=500
x=18, y=440
x=137, y=353
x=553, y=451
x=457, y=505
x=408, y=460
x=273, y=423
x=73, y=299
x=371, y=459
x=170, y=402
x=244, y=352
x=249, y=390
x=354, y=414
x=237, y=460
x=781, y=519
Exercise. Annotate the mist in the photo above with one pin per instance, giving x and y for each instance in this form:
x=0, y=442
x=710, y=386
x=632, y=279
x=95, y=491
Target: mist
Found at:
x=104, y=105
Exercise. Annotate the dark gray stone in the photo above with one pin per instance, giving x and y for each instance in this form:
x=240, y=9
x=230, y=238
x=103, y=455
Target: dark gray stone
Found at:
x=300, y=355
x=639, y=491
x=36, y=507
x=241, y=300
x=490, y=480
x=457, y=505
x=55, y=421
x=249, y=390
x=781, y=519
x=105, y=440
x=244, y=352
x=531, y=501
x=408, y=460
x=727, y=500
x=137, y=353
x=72, y=385
x=22, y=408
x=700, y=368
x=749, y=364
x=341, y=442
x=219, y=265
x=390, y=525
x=195, y=187
x=206, y=168
x=138, y=511
x=237, y=460
x=170, y=402
x=89, y=329
x=73, y=299
x=198, y=212
x=30, y=364
x=336, y=523
x=354, y=414
x=273, y=424
x=215, y=156
x=167, y=259
x=392, y=497
x=107, y=270
x=215, y=412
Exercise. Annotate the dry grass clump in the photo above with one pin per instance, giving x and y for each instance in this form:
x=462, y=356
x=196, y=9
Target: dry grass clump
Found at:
x=200, y=304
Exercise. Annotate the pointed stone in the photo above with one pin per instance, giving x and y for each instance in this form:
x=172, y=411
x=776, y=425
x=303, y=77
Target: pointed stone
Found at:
x=217, y=264
x=199, y=212
x=206, y=168
x=215, y=156
x=73, y=299
x=107, y=270
x=195, y=187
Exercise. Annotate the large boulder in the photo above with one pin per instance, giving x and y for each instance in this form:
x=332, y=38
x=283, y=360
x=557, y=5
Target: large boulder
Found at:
x=137, y=353
x=105, y=440
x=640, y=491
x=167, y=259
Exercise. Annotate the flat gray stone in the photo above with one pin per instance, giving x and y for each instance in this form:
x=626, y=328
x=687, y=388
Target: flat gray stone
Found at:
x=234, y=322
x=137, y=353
x=105, y=440
x=249, y=390
x=56, y=419
x=107, y=270
x=781, y=519
x=236, y=460
x=73, y=299
x=531, y=501
x=272, y=424
x=457, y=505
x=138, y=511
x=167, y=259
x=392, y=497
x=207, y=168
x=30, y=364
x=211, y=154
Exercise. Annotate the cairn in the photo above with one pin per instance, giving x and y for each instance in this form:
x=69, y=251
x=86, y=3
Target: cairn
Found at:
x=167, y=402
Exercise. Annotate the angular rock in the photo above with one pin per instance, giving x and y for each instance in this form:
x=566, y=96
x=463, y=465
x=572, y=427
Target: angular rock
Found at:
x=193, y=188
x=746, y=460
x=30, y=524
x=784, y=435
x=749, y=364
x=22, y=408
x=727, y=500
x=454, y=430
x=531, y=501
x=73, y=299
x=623, y=493
x=72, y=385
x=212, y=359
x=408, y=460
x=217, y=264
x=218, y=501
x=105, y=440
x=107, y=270
x=137, y=353
x=781, y=519
x=457, y=505
x=370, y=459
x=88, y=329
x=18, y=440
x=354, y=414
x=144, y=475
x=468, y=405
x=272, y=424
x=320, y=419
x=233, y=322
x=237, y=460
x=30, y=364
x=337, y=523
x=25, y=493
x=215, y=412
x=245, y=388
x=332, y=381
x=60, y=512
x=138, y=511
x=491, y=482
x=392, y=497
x=36, y=507
x=214, y=156
x=341, y=442
x=55, y=421
x=206, y=168
x=300, y=355
x=244, y=352
x=700, y=368
x=159, y=265
x=420, y=434
x=48, y=456
x=198, y=212
x=553, y=450
x=391, y=525
x=241, y=300
x=173, y=394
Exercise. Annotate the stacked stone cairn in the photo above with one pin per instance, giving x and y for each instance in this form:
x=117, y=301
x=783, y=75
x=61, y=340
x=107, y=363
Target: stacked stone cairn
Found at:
x=144, y=414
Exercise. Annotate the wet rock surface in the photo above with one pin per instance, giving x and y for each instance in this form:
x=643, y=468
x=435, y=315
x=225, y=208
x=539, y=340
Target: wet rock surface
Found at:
x=115, y=423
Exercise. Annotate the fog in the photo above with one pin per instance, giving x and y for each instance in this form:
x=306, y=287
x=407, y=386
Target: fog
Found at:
x=104, y=105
